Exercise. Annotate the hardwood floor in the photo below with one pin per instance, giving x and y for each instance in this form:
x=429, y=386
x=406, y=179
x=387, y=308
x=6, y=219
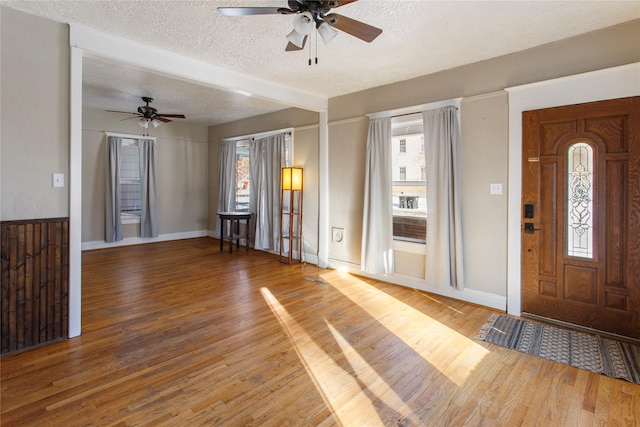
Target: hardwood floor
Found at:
x=180, y=334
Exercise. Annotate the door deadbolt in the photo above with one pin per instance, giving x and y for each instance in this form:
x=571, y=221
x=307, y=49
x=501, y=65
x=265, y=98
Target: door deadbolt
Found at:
x=529, y=228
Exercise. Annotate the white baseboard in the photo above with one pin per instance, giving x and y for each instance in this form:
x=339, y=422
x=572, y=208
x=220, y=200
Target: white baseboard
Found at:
x=473, y=296
x=101, y=244
x=309, y=258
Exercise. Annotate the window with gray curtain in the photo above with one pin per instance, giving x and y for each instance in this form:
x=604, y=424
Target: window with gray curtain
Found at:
x=441, y=170
x=227, y=177
x=444, y=266
x=130, y=186
x=377, y=228
x=257, y=185
x=267, y=158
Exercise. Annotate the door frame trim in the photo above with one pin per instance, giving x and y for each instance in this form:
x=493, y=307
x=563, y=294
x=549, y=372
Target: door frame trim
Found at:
x=610, y=83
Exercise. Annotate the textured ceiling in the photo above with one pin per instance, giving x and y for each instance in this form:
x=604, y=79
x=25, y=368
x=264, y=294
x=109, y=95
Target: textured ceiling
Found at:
x=419, y=37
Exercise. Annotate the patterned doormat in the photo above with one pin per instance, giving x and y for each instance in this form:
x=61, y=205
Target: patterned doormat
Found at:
x=589, y=352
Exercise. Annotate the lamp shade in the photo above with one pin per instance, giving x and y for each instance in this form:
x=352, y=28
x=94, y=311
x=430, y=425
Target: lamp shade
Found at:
x=144, y=123
x=292, y=178
x=327, y=32
x=303, y=23
x=156, y=123
x=296, y=38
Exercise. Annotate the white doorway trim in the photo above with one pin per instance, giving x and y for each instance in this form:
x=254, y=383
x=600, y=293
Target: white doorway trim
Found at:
x=84, y=41
x=610, y=83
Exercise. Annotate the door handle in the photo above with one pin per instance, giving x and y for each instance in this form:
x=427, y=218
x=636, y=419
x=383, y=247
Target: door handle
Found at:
x=529, y=228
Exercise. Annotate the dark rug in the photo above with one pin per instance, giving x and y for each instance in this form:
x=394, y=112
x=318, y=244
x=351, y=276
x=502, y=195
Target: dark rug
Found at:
x=589, y=352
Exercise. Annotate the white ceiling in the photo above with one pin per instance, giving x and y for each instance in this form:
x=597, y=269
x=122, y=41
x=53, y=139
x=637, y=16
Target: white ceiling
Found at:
x=419, y=37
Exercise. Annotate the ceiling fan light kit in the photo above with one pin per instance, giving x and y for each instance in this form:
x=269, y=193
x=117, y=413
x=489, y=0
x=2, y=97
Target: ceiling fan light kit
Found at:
x=297, y=38
x=147, y=114
x=310, y=14
x=327, y=33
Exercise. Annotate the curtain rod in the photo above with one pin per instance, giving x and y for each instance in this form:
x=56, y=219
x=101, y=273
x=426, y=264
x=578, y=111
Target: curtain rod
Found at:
x=253, y=138
x=399, y=112
x=128, y=135
x=287, y=131
x=419, y=112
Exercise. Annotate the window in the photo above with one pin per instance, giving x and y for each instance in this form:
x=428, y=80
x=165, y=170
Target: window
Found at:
x=403, y=145
x=243, y=183
x=409, y=182
x=242, y=176
x=580, y=201
x=130, y=203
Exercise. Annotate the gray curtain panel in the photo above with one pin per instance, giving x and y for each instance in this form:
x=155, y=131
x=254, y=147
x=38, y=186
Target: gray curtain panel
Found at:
x=113, y=222
x=444, y=266
x=227, y=186
x=377, y=223
x=266, y=160
x=148, y=193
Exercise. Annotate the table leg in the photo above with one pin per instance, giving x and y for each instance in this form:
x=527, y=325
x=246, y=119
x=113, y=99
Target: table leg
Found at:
x=221, y=234
x=246, y=234
x=237, y=227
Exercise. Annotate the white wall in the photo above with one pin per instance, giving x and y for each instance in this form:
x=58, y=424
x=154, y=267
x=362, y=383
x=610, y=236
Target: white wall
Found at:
x=306, y=155
x=182, y=168
x=34, y=109
x=484, y=152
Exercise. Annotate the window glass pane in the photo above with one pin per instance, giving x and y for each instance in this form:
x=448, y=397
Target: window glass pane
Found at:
x=409, y=180
x=130, y=165
x=242, y=177
x=580, y=201
x=130, y=204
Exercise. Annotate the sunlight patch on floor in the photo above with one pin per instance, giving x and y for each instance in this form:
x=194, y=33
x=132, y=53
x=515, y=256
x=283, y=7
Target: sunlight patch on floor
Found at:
x=338, y=387
x=375, y=384
x=450, y=352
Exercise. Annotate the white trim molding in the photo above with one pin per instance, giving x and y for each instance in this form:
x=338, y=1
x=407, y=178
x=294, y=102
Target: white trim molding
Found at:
x=129, y=135
x=473, y=296
x=454, y=102
x=307, y=257
x=610, y=83
x=75, y=193
x=258, y=135
x=101, y=244
x=149, y=57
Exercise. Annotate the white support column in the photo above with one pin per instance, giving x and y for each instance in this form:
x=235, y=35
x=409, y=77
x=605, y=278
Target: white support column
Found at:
x=323, y=193
x=75, y=194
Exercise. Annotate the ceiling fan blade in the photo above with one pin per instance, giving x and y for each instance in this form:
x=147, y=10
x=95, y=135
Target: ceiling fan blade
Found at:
x=129, y=118
x=246, y=11
x=292, y=47
x=343, y=2
x=177, y=116
x=123, y=112
x=162, y=119
x=357, y=29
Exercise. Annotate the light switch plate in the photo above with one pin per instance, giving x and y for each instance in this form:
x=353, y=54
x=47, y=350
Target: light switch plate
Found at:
x=495, y=189
x=58, y=180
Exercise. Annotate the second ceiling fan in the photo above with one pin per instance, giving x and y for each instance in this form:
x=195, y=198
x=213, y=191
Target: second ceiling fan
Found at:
x=312, y=14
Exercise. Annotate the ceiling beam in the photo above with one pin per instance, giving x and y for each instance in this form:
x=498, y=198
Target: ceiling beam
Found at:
x=94, y=43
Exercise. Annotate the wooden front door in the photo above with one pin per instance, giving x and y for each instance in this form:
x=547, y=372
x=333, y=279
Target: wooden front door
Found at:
x=581, y=215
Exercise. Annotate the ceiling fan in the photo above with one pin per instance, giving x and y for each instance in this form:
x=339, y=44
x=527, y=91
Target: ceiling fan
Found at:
x=310, y=15
x=148, y=114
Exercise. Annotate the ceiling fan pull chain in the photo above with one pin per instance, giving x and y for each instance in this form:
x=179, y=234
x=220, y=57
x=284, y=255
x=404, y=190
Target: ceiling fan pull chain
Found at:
x=316, y=48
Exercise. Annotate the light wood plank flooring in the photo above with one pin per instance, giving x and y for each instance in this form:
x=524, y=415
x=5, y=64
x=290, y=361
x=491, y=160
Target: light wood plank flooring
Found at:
x=180, y=334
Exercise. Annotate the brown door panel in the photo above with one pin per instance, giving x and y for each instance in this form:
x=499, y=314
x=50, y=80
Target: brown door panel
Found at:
x=598, y=285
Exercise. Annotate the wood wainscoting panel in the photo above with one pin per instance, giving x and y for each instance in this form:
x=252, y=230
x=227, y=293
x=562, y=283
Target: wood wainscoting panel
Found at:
x=34, y=302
